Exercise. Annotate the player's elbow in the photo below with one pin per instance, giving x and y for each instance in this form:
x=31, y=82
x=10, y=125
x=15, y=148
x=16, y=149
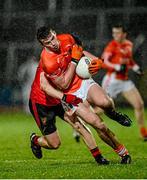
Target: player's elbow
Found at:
x=42, y=87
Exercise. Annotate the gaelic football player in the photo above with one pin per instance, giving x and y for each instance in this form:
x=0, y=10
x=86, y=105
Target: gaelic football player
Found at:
x=56, y=59
x=118, y=59
x=46, y=106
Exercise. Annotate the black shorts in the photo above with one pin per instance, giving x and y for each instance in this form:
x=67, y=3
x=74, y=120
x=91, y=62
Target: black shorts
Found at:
x=45, y=116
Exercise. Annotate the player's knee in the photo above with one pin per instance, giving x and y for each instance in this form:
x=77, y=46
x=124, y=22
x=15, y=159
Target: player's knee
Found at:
x=77, y=126
x=97, y=124
x=107, y=102
x=56, y=145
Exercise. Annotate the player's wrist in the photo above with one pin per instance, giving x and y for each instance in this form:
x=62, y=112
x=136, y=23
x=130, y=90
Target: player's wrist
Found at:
x=74, y=61
x=117, y=67
x=64, y=97
x=136, y=68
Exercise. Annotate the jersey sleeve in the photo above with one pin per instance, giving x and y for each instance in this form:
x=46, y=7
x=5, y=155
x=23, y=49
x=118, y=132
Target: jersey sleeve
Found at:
x=67, y=43
x=109, y=48
x=107, y=54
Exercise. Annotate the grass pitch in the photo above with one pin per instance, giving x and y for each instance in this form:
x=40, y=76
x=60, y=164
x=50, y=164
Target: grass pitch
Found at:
x=71, y=160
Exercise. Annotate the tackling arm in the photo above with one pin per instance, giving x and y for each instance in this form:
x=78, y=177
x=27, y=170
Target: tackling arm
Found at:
x=48, y=89
x=51, y=91
x=88, y=54
x=65, y=79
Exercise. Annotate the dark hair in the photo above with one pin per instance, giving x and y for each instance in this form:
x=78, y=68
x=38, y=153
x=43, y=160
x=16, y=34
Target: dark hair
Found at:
x=42, y=33
x=122, y=26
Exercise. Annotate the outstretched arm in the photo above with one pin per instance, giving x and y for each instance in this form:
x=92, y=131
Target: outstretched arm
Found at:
x=88, y=54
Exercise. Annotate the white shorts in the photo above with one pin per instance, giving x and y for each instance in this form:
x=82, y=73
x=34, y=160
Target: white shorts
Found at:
x=82, y=93
x=114, y=86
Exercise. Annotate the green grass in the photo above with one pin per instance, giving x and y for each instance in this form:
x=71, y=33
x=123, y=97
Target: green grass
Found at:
x=71, y=160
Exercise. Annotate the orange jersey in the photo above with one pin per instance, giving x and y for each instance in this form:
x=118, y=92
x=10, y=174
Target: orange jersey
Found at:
x=38, y=95
x=118, y=53
x=64, y=56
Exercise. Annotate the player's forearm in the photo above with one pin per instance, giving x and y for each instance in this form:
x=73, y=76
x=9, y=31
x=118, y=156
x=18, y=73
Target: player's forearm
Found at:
x=134, y=66
x=66, y=79
x=50, y=91
x=106, y=57
x=88, y=54
x=48, y=88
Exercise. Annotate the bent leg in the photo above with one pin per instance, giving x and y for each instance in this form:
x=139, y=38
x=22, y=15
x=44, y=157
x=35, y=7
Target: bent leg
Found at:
x=134, y=98
x=98, y=97
x=95, y=121
x=87, y=137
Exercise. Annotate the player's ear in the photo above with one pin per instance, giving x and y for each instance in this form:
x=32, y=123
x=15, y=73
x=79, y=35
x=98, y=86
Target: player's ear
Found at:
x=53, y=32
x=125, y=34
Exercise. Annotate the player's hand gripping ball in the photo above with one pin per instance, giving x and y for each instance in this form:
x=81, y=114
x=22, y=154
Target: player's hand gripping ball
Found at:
x=95, y=65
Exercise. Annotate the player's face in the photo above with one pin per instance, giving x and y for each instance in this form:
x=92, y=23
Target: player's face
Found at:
x=118, y=34
x=51, y=41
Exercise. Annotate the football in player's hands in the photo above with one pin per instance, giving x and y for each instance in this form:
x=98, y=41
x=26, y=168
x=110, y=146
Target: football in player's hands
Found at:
x=82, y=68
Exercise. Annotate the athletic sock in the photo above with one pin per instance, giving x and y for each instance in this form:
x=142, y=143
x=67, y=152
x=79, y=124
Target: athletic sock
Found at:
x=121, y=150
x=35, y=140
x=96, y=153
x=143, y=131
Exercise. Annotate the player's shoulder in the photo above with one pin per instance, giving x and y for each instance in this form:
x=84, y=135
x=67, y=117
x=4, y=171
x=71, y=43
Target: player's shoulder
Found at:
x=128, y=42
x=112, y=43
x=65, y=37
x=45, y=53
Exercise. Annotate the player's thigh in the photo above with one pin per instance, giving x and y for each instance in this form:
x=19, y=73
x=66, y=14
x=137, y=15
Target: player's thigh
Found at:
x=133, y=97
x=44, y=117
x=97, y=96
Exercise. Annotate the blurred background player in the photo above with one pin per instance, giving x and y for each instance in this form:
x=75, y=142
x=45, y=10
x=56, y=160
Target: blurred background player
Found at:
x=118, y=59
x=26, y=74
x=59, y=55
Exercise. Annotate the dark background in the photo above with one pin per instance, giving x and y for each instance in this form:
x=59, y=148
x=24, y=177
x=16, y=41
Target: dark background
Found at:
x=91, y=19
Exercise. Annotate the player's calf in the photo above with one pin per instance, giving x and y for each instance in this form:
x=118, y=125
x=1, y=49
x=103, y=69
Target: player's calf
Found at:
x=124, y=154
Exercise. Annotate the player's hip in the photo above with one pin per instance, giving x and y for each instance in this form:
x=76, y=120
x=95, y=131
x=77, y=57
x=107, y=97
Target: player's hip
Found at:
x=114, y=86
x=82, y=93
x=45, y=116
